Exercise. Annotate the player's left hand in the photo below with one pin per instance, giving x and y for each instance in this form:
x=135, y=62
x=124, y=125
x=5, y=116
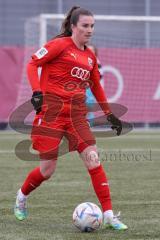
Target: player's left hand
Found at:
x=37, y=101
x=115, y=123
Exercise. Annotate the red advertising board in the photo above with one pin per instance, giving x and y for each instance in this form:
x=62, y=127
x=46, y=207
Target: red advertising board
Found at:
x=131, y=78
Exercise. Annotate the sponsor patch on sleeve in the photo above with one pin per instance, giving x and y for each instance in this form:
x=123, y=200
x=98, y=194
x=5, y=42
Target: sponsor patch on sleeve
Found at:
x=41, y=53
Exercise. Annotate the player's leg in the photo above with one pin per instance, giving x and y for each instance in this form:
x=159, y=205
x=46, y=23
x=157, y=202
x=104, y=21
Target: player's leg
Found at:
x=101, y=186
x=99, y=180
x=38, y=175
x=33, y=180
x=85, y=145
x=48, y=149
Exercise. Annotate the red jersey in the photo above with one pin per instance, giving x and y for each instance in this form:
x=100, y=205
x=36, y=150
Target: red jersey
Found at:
x=66, y=70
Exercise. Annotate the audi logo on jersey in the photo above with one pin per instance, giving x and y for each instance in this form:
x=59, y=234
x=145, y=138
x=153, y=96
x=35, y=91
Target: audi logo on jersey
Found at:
x=81, y=73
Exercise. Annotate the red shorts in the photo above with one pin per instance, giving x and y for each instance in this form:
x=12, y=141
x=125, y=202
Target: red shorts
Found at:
x=49, y=129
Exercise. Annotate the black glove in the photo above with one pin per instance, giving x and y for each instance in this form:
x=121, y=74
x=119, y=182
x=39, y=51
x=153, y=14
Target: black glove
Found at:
x=115, y=122
x=37, y=101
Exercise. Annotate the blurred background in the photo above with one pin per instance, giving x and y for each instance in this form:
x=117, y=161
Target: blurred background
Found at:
x=129, y=52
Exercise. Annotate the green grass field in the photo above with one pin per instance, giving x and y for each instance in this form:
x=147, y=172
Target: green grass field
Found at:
x=132, y=163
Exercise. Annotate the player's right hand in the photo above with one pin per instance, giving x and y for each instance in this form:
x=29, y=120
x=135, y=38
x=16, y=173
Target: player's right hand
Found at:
x=37, y=101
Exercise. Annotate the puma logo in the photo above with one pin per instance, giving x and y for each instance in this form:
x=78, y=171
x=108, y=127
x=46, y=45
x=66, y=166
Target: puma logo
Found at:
x=74, y=55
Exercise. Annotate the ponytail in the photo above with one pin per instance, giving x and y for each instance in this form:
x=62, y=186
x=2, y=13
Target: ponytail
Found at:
x=66, y=26
x=72, y=18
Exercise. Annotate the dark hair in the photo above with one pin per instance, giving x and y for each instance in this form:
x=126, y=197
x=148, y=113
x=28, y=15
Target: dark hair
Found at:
x=72, y=18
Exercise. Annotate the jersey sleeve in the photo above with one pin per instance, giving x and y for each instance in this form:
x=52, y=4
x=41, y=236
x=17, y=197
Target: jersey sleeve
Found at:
x=45, y=54
x=98, y=91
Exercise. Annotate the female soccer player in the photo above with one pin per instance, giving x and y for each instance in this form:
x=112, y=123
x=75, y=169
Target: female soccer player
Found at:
x=59, y=100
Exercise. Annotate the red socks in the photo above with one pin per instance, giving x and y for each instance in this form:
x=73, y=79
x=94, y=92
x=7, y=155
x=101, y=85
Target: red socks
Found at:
x=33, y=180
x=101, y=187
x=99, y=181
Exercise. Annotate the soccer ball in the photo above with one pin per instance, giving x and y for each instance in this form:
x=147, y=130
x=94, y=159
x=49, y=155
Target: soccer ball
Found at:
x=87, y=217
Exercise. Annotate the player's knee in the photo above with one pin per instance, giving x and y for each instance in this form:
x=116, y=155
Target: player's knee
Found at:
x=92, y=160
x=47, y=173
x=48, y=168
